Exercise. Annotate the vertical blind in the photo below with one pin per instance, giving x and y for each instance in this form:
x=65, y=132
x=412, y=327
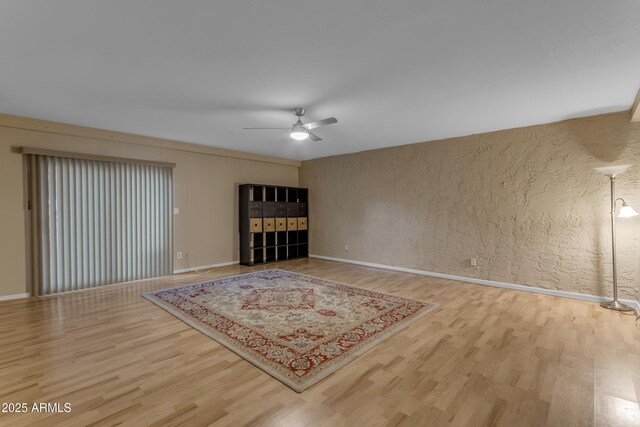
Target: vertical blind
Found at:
x=97, y=222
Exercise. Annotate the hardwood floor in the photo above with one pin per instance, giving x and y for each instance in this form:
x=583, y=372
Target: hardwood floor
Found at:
x=487, y=356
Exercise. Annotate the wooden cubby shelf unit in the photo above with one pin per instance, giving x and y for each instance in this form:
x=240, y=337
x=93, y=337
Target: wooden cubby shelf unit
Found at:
x=274, y=223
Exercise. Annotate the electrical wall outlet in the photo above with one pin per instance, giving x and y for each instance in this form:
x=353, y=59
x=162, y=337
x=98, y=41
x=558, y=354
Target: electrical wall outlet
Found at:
x=474, y=262
x=179, y=255
x=346, y=247
x=176, y=211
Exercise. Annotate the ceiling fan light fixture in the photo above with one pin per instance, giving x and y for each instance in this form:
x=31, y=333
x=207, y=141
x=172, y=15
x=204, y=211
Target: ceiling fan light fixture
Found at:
x=298, y=132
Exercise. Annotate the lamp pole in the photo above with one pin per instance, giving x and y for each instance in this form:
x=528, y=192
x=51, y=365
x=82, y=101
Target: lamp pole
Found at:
x=615, y=304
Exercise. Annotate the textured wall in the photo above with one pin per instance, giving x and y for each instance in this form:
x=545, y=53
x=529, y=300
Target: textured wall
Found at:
x=525, y=202
x=205, y=189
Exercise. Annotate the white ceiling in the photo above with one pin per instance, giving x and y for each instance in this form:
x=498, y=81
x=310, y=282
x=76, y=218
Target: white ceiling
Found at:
x=392, y=72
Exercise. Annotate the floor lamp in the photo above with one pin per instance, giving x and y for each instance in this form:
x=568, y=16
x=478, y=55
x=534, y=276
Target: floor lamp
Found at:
x=625, y=212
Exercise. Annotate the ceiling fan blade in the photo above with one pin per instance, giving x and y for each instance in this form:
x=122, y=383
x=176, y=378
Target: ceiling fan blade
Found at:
x=266, y=128
x=318, y=123
x=314, y=138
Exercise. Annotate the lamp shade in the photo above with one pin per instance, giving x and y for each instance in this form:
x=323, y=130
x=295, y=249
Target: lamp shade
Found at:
x=627, y=211
x=298, y=132
x=612, y=170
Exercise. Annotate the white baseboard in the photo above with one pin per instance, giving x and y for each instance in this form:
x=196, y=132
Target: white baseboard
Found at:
x=205, y=267
x=16, y=296
x=573, y=295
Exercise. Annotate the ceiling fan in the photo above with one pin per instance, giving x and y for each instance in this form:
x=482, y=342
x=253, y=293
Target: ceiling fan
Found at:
x=301, y=131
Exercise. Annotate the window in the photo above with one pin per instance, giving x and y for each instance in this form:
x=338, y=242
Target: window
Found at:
x=97, y=222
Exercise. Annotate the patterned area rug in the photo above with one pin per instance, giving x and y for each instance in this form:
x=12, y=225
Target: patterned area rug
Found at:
x=297, y=328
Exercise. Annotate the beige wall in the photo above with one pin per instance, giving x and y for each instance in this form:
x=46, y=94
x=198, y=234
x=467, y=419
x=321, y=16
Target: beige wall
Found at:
x=205, y=188
x=525, y=202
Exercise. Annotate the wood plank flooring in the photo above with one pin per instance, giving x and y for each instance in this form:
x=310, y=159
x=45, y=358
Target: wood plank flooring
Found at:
x=486, y=357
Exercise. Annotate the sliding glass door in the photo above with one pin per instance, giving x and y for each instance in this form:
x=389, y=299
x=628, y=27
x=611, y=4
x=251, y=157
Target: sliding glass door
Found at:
x=96, y=222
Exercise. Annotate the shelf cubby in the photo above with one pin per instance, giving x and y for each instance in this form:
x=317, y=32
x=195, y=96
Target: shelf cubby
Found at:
x=270, y=239
x=257, y=256
x=270, y=254
x=256, y=194
x=292, y=251
x=258, y=240
x=269, y=194
x=281, y=252
x=281, y=194
x=292, y=237
x=303, y=250
x=292, y=195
